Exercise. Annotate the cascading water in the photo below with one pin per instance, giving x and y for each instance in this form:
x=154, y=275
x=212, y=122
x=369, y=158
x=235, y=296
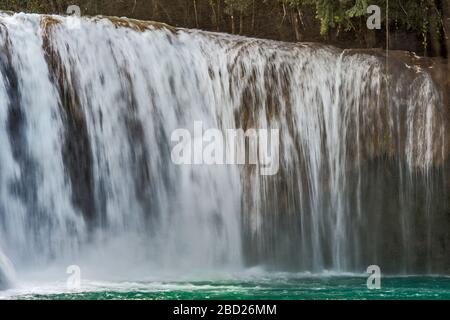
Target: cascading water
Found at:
x=7, y=274
x=87, y=110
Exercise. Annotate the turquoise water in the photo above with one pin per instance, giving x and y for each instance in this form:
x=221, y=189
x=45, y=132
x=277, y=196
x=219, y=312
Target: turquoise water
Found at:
x=298, y=288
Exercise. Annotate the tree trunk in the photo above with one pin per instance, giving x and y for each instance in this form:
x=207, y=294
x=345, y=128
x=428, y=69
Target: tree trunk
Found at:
x=214, y=16
x=295, y=21
x=155, y=9
x=233, y=26
x=446, y=18
x=241, y=23
x=219, y=14
x=195, y=14
x=253, y=16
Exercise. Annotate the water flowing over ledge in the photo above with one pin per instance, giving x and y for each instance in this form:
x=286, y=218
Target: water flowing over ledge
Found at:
x=87, y=108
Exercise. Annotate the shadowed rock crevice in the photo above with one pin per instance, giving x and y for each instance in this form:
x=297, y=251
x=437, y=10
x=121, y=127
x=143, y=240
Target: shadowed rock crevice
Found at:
x=77, y=153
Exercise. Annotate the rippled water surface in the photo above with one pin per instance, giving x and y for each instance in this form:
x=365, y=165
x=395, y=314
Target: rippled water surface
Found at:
x=270, y=287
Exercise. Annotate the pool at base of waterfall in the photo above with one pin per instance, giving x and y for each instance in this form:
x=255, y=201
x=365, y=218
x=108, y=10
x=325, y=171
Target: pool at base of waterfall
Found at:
x=275, y=286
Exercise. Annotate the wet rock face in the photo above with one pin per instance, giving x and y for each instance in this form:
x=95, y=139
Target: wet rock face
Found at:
x=437, y=68
x=77, y=153
x=381, y=192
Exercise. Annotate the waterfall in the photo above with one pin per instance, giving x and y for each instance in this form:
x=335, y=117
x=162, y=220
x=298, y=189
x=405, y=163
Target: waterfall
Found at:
x=87, y=109
x=7, y=273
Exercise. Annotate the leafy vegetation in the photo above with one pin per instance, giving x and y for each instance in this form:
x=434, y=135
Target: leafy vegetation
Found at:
x=423, y=17
x=419, y=16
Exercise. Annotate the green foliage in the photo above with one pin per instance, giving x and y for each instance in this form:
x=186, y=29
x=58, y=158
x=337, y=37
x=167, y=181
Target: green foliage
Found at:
x=241, y=6
x=422, y=16
x=332, y=13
